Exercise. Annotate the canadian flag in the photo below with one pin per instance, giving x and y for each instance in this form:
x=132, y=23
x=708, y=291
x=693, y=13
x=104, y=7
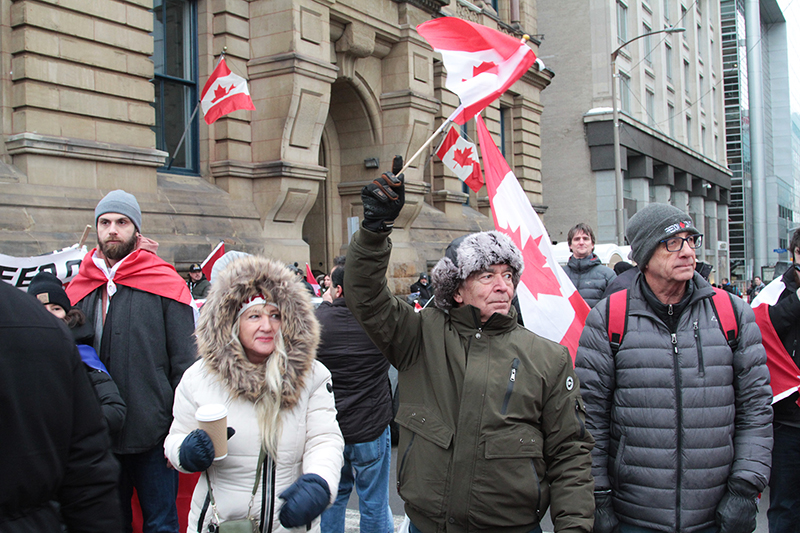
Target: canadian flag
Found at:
x=784, y=376
x=209, y=261
x=223, y=93
x=481, y=62
x=461, y=156
x=550, y=305
x=313, y=281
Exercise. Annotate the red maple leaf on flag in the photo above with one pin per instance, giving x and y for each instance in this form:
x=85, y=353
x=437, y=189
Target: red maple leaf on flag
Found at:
x=221, y=92
x=464, y=157
x=537, y=276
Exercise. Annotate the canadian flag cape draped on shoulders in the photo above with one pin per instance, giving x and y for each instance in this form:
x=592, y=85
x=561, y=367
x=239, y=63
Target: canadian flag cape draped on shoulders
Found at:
x=784, y=375
x=140, y=270
x=461, y=156
x=223, y=93
x=481, y=62
x=551, y=307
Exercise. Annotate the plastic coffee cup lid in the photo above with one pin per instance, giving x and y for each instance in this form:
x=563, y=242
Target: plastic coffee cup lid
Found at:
x=211, y=412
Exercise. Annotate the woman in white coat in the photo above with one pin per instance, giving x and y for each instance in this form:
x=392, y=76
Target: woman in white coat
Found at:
x=257, y=338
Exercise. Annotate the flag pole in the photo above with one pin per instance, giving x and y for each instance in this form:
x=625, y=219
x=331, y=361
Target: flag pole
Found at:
x=439, y=130
x=191, y=119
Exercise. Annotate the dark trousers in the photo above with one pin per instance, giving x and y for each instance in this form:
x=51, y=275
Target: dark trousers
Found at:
x=156, y=486
x=784, y=483
x=413, y=529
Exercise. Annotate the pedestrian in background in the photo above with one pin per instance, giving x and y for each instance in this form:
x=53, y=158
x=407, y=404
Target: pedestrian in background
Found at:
x=197, y=283
x=585, y=270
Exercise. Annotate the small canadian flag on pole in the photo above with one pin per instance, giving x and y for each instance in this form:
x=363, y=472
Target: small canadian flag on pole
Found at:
x=312, y=281
x=224, y=92
x=461, y=156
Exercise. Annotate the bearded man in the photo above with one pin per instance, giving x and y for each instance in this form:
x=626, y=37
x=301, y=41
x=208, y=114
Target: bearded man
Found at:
x=139, y=320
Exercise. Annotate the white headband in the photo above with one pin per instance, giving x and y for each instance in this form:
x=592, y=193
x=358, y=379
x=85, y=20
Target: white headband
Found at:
x=258, y=299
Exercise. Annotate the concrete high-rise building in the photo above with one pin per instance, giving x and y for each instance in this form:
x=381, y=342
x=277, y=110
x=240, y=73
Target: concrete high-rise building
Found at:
x=95, y=96
x=762, y=137
x=672, y=122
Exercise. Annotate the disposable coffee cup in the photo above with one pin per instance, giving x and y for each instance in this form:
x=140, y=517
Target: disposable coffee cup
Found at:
x=213, y=419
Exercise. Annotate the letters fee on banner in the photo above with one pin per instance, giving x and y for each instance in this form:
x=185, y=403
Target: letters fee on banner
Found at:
x=19, y=271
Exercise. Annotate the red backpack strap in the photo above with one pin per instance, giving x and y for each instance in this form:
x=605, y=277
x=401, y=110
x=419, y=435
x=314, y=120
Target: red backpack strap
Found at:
x=617, y=319
x=726, y=315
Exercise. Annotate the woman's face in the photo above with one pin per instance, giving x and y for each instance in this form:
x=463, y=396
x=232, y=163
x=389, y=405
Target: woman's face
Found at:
x=258, y=329
x=56, y=310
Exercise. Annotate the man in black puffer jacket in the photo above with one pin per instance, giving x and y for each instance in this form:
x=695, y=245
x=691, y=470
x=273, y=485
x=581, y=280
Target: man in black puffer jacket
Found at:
x=585, y=270
x=681, y=418
x=364, y=406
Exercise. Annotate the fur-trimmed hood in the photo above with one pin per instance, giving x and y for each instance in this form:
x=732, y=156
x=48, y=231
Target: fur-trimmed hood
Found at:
x=242, y=279
x=471, y=253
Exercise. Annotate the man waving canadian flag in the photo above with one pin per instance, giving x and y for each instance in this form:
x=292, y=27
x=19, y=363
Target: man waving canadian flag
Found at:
x=224, y=92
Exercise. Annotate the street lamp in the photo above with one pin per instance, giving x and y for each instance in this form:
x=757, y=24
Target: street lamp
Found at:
x=617, y=163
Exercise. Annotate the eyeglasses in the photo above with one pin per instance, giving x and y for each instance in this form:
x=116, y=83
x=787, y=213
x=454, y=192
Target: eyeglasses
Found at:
x=675, y=244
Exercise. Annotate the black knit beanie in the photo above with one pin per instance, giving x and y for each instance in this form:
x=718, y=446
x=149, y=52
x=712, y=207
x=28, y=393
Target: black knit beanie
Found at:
x=48, y=289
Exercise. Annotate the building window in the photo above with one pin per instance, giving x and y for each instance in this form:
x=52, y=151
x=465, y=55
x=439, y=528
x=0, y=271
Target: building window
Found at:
x=625, y=92
x=648, y=44
x=666, y=10
x=622, y=22
x=701, y=89
x=689, y=132
x=703, y=139
x=650, y=105
x=671, y=119
x=175, y=80
x=686, y=79
x=668, y=62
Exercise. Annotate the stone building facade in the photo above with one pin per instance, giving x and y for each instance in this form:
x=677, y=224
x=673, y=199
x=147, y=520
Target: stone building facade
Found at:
x=94, y=96
x=671, y=115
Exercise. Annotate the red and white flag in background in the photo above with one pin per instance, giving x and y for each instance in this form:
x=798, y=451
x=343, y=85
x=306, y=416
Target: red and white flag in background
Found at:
x=461, y=156
x=551, y=307
x=312, y=280
x=223, y=93
x=784, y=376
x=417, y=307
x=209, y=261
x=481, y=62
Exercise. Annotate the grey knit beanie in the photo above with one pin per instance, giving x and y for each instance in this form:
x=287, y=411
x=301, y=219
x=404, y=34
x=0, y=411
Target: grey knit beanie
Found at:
x=120, y=202
x=651, y=225
x=472, y=253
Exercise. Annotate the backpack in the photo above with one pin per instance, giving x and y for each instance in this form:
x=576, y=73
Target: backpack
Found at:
x=617, y=318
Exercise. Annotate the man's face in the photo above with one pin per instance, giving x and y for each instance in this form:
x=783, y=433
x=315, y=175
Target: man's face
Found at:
x=758, y=280
x=423, y=281
x=670, y=267
x=581, y=245
x=116, y=236
x=491, y=291
x=196, y=275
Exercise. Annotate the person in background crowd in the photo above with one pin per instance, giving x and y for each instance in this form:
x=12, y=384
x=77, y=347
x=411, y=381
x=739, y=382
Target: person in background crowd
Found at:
x=54, y=444
x=491, y=421
x=47, y=288
x=140, y=321
x=364, y=411
x=422, y=288
x=301, y=276
x=584, y=268
x=198, y=284
x=681, y=418
x=756, y=286
x=257, y=339
x=338, y=261
x=780, y=327
x=727, y=286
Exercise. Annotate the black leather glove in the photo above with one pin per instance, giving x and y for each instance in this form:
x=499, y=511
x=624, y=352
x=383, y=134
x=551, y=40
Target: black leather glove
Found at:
x=305, y=500
x=736, y=512
x=605, y=520
x=384, y=198
x=197, y=451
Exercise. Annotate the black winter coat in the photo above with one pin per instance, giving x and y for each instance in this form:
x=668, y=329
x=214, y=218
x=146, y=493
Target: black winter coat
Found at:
x=53, y=442
x=147, y=344
x=785, y=318
x=360, y=374
x=590, y=277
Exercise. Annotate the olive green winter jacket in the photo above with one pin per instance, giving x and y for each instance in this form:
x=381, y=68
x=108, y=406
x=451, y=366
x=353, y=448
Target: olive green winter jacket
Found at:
x=491, y=419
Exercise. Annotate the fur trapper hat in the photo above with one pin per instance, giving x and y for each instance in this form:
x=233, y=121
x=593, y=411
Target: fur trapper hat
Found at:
x=472, y=253
x=242, y=279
